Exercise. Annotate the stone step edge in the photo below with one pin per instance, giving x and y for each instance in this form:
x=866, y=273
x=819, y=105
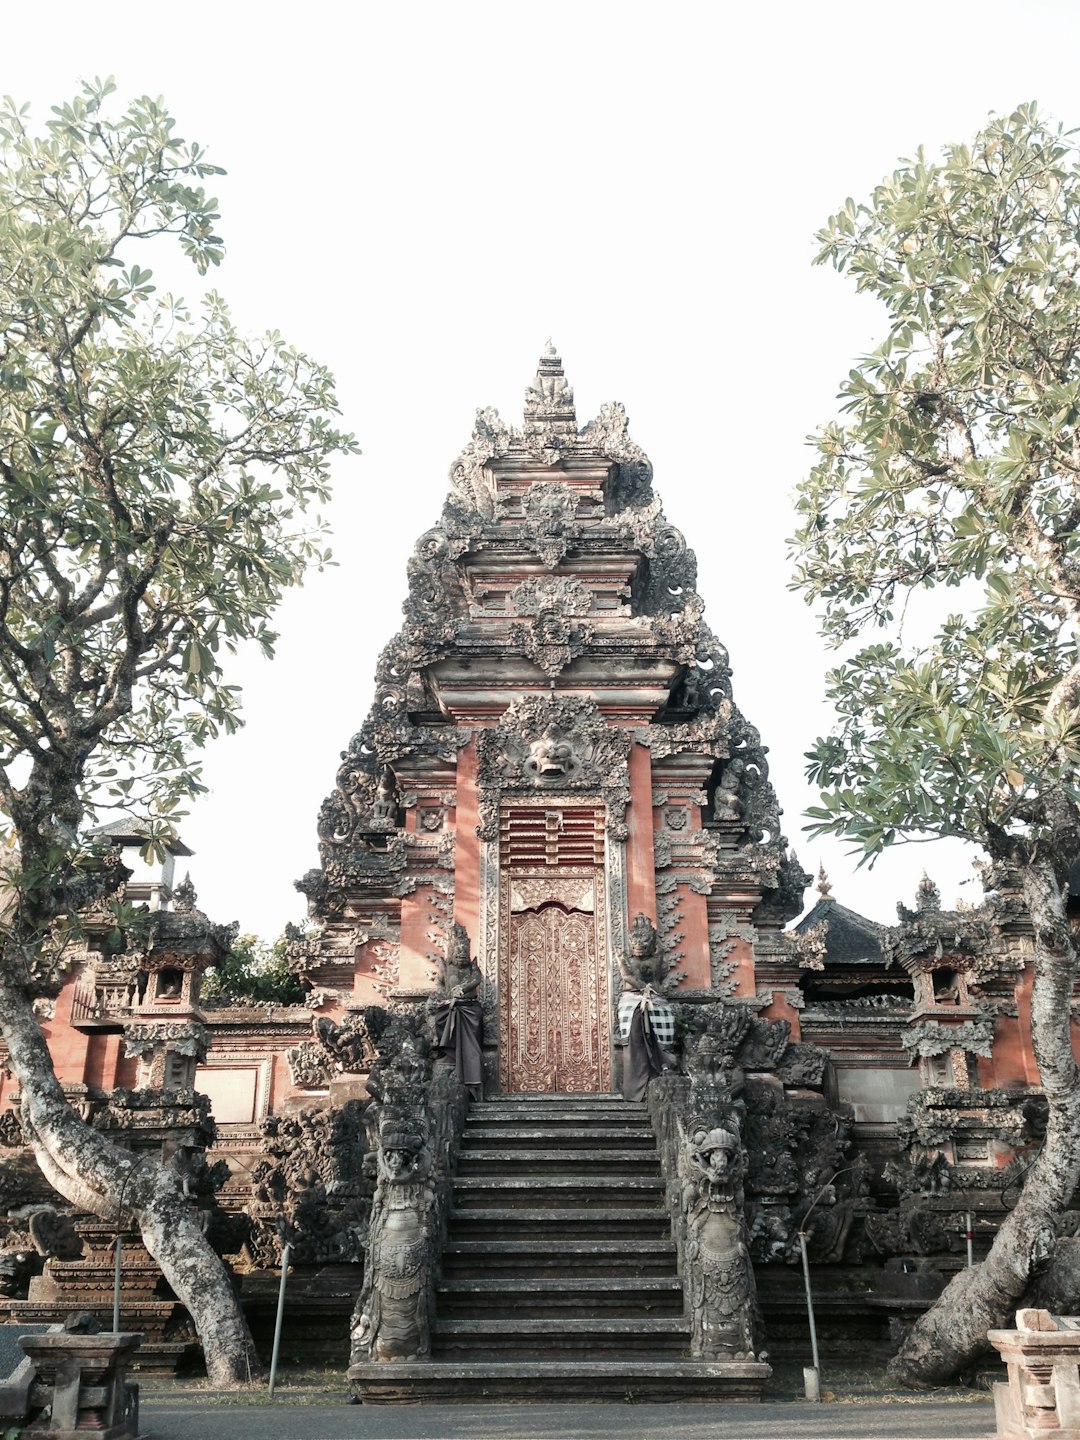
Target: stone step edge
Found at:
x=570, y=1215
x=523, y=1113
x=553, y=1369
x=594, y=1284
x=621, y=1326
x=549, y=1097
x=545, y=1113
x=504, y=1152
x=545, y=1182
x=541, y=1132
x=568, y=1247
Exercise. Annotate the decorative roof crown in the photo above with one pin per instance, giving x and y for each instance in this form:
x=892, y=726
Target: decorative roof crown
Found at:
x=549, y=400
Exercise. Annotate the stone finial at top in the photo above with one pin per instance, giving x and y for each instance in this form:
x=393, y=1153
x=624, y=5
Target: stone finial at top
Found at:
x=824, y=885
x=927, y=896
x=184, y=897
x=549, y=400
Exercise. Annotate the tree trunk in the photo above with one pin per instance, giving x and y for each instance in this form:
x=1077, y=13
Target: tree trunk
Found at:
x=95, y=1175
x=953, y=1331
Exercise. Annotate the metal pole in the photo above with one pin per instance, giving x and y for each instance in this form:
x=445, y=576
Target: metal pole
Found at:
x=285, y=1253
x=811, y=1379
x=970, y=1239
x=117, y=1271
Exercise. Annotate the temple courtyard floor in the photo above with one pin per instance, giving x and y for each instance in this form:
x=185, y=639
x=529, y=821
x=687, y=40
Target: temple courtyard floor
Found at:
x=857, y=1405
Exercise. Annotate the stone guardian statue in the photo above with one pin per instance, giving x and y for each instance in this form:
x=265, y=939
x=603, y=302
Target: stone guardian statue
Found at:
x=719, y=1275
x=392, y=1316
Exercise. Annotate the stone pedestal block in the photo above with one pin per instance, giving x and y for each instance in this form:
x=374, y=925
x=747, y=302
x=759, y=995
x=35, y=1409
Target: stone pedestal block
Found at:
x=1041, y=1399
x=82, y=1379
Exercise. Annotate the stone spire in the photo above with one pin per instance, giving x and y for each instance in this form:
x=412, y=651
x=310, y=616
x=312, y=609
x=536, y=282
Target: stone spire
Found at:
x=824, y=886
x=549, y=400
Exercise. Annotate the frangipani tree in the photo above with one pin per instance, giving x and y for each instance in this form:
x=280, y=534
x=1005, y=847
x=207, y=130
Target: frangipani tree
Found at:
x=940, y=538
x=157, y=473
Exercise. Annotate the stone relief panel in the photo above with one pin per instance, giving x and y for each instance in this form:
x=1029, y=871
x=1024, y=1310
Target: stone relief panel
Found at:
x=552, y=745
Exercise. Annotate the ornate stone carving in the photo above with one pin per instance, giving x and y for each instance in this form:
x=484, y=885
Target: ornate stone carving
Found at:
x=930, y=1037
x=309, y=1188
x=573, y=892
x=167, y=1050
x=391, y=1319
x=550, y=526
x=552, y=641
x=309, y=1065
x=559, y=594
x=54, y=1235
x=556, y=745
x=184, y=1037
x=460, y=973
x=418, y=1113
x=719, y=1276
x=643, y=965
x=185, y=900
x=470, y=483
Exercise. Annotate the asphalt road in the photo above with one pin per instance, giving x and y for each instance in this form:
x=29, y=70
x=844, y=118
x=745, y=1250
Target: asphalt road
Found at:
x=906, y=1420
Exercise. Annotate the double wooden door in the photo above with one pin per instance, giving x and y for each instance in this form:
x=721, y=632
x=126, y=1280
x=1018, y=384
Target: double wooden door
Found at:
x=554, y=1022
x=554, y=989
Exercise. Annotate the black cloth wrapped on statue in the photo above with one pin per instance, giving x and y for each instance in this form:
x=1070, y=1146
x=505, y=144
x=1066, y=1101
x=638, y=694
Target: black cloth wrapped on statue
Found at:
x=459, y=1027
x=643, y=1058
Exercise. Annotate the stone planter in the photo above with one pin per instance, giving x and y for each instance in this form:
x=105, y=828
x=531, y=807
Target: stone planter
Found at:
x=82, y=1379
x=1041, y=1399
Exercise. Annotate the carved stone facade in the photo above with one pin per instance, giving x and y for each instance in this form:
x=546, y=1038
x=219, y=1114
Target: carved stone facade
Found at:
x=556, y=704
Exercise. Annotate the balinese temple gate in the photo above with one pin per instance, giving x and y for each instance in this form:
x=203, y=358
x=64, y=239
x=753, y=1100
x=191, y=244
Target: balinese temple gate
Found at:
x=553, y=750
x=556, y=816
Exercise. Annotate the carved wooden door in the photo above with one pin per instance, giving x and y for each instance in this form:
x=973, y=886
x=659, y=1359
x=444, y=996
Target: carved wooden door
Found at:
x=554, y=990
x=555, y=1036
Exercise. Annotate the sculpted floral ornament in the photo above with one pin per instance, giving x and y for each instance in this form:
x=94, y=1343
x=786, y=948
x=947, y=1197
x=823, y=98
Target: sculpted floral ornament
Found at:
x=927, y=1038
x=562, y=594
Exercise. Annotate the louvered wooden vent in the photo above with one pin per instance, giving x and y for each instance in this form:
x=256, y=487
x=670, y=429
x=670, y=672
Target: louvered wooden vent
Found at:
x=559, y=835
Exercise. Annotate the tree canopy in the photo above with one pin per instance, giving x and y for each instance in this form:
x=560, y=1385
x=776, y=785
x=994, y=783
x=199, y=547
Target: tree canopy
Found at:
x=157, y=470
x=956, y=468
x=159, y=476
x=940, y=537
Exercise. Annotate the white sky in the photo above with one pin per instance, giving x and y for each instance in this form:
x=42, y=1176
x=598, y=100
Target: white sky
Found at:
x=420, y=194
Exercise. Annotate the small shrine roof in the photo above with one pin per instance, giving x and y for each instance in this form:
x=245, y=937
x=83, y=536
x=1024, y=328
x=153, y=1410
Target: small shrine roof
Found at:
x=851, y=939
x=129, y=831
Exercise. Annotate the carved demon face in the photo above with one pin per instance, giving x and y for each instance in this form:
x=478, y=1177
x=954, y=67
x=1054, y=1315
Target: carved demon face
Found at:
x=715, y=1153
x=399, y=1164
x=551, y=758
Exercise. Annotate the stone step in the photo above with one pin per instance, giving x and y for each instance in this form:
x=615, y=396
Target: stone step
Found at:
x=598, y=1298
x=564, y=1097
x=559, y=1337
x=571, y=1258
x=558, y=1222
x=616, y=1137
x=541, y=1191
x=557, y=1114
x=636, y=1380
x=512, y=1163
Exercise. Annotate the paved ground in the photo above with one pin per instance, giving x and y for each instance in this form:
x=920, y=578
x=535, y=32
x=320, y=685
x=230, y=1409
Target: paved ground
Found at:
x=915, y=1419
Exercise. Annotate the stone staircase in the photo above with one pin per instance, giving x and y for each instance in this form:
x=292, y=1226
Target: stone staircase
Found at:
x=560, y=1278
